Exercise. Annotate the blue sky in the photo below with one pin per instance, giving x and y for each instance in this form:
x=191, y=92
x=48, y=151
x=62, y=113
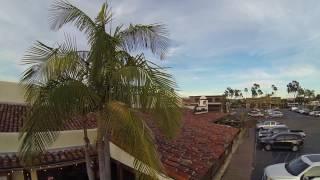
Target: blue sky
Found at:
x=215, y=43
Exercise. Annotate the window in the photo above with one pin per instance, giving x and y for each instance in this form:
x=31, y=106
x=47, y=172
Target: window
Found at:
x=273, y=123
x=291, y=137
x=296, y=166
x=313, y=172
x=280, y=138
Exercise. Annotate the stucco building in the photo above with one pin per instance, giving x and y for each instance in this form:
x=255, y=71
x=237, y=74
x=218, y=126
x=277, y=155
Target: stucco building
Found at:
x=195, y=153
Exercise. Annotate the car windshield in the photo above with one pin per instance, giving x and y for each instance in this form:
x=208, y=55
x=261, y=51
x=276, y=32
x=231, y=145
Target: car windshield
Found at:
x=296, y=166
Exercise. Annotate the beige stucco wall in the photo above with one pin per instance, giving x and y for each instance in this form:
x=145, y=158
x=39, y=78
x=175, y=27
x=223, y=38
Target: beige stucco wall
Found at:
x=11, y=92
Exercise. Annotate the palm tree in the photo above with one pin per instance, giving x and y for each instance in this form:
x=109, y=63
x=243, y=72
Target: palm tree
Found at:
x=246, y=91
x=255, y=90
x=274, y=89
x=106, y=81
x=229, y=92
x=293, y=87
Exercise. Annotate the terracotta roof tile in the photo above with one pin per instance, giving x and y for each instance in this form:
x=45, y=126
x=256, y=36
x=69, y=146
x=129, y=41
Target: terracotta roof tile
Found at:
x=12, y=115
x=195, y=149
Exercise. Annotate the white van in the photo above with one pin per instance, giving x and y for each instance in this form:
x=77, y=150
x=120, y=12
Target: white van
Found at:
x=305, y=167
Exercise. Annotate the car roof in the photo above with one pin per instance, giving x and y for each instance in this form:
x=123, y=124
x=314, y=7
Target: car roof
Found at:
x=313, y=157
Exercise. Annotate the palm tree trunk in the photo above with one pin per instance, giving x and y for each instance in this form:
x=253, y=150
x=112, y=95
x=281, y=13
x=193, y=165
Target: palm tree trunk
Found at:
x=101, y=159
x=87, y=155
x=88, y=160
x=107, y=156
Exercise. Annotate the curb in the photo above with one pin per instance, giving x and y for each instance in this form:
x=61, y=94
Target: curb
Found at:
x=224, y=167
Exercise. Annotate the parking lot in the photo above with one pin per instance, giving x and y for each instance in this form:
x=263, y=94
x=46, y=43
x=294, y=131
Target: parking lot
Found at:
x=311, y=126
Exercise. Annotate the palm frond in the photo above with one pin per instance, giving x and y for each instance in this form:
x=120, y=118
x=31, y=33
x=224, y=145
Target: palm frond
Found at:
x=51, y=106
x=104, y=15
x=130, y=132
x=47, y=63
x=149, y=88
x=153, y=37
x=62, y=12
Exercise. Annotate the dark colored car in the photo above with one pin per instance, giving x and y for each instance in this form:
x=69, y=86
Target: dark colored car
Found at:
x=292, y=141
x=273, y=131
x=270, y=132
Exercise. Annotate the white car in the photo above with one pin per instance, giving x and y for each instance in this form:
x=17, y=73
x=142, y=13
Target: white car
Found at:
x=313, y=113
x=317, y=114
x=294, y=108
x=255, y=114
x=276, y=114
x=305, y=167
x=269, y=125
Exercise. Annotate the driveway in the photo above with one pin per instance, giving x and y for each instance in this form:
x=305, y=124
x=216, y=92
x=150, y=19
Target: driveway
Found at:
x=311, y=125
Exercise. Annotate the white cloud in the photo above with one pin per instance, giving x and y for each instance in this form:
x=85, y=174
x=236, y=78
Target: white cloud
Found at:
x=205, y=33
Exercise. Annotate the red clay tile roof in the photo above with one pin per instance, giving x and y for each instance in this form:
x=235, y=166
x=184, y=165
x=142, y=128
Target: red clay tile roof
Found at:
x=195, y=149
x=11, y=119
x=189, y=155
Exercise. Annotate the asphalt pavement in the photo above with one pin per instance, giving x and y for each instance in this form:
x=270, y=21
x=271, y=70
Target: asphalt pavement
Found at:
x=311, y=126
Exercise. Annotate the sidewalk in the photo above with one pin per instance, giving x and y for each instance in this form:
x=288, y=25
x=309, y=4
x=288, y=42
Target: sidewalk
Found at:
x=240, y=166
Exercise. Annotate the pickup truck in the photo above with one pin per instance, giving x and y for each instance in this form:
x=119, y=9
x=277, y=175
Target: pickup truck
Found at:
x=270, y=132
x=269, y=125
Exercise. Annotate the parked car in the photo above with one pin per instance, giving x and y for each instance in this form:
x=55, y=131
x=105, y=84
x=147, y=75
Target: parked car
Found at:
x=304, y=111
x=268, y=111
x=292, y=141
x=313, y=113
x=294, y=108
x=276, y=114
x=305, y=167
x=317, y=114
x=270, y=132
x=269, y=124
x=255, y=114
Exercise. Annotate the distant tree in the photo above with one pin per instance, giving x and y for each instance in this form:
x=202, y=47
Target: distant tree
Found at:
x=246, y=91
x=293, y=87
x=274, y=89
x=310, y=94
x=229, y=92
x=237, y=93
x=255, y=90
x=306, y=94
x=301, y=92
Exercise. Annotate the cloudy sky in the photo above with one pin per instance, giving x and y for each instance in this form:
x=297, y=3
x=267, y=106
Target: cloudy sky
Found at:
x=215, y=43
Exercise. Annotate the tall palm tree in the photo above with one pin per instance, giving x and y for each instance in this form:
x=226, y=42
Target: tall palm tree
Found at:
x=106, y=81
x=274, y=89
x=293, y=87
x=246, y=91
